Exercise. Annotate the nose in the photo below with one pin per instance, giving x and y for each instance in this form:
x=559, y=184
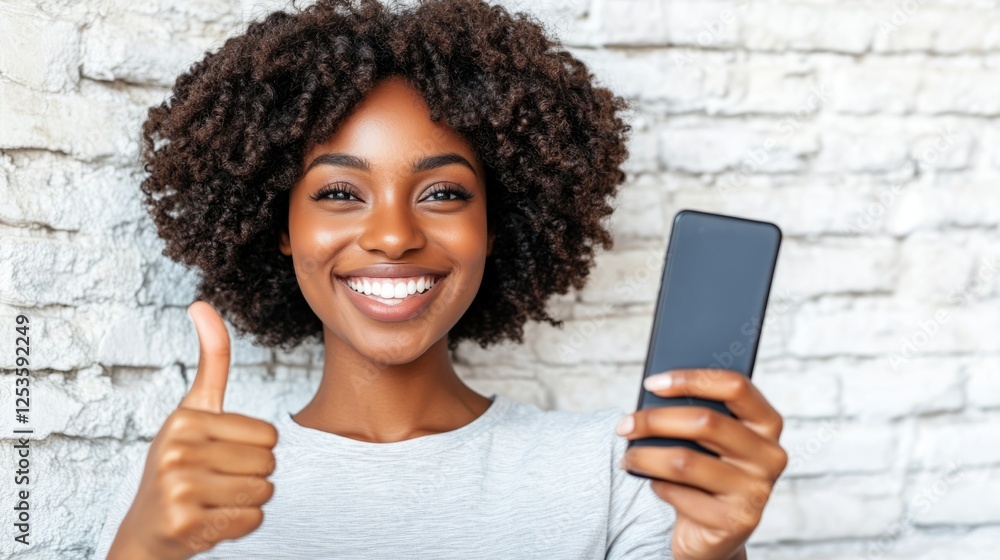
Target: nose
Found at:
x=393, y=228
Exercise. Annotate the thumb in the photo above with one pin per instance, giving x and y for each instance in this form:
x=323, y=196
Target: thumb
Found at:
x=209, y=385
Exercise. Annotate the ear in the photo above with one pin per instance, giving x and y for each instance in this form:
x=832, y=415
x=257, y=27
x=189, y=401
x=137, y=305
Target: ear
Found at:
x=489, y=244
x=284, y=244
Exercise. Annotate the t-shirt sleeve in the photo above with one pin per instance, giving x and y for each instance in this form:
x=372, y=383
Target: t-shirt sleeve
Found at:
x=120, y=505
x=640, y=523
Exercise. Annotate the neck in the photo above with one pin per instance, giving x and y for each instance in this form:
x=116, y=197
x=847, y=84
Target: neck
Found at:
x=368, y=401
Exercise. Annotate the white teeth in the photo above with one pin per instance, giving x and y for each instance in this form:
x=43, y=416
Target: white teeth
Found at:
x=389, y=289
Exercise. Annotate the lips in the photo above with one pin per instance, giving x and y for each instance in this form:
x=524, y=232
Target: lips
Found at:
x=360, y=289
x=391, y=270
x=392, y=288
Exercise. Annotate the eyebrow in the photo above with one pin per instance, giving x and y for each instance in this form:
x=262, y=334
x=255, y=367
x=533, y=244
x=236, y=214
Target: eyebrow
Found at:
x=362, y=164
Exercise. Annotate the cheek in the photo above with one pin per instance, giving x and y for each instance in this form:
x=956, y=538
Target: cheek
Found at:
x=467, y=242
x=469, y=251
x=313, y=244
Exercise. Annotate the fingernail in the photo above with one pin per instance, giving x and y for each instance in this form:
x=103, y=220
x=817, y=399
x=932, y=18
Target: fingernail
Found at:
x=657, y=382
x=625, y=425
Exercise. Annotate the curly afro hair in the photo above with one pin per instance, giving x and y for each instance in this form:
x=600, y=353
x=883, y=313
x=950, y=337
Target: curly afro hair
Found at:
x=223, y=151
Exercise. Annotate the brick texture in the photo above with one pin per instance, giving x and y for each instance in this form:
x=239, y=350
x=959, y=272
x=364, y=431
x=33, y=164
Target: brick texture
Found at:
x=866, y=130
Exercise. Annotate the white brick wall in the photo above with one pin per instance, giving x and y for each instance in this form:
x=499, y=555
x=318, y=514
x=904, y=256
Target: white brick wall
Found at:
x=866, y=129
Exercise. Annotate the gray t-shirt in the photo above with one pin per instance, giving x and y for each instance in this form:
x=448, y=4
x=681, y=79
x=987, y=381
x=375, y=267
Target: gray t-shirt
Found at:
x=517, y=482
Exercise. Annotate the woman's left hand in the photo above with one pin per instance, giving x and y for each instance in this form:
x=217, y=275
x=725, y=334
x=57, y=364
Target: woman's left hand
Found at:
x=719, y=501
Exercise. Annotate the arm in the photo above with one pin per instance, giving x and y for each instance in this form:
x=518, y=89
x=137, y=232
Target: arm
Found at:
x=640, y=524
x=127, y=547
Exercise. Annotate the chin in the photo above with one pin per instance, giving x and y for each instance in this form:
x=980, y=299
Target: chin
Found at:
x=392, y=349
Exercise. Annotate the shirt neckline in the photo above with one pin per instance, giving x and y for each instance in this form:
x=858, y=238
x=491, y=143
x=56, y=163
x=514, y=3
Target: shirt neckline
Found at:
x=292, y=433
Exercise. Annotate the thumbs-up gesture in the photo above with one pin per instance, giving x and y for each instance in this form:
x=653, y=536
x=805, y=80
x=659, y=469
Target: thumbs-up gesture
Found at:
x=205, y=474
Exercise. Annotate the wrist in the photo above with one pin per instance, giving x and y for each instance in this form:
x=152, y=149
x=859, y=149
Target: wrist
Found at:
x=128, y=546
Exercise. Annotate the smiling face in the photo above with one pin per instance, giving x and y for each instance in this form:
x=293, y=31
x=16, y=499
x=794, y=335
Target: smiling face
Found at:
x=392, y=202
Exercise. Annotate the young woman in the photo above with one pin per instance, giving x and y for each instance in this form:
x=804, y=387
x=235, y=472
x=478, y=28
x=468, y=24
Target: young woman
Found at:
x=391, y=183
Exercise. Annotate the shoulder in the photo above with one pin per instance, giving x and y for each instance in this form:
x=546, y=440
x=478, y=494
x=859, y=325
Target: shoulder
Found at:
x=528, y=414
x=589, y=432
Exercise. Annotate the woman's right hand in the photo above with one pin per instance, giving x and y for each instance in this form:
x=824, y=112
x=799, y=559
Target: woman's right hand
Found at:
x=205, y=474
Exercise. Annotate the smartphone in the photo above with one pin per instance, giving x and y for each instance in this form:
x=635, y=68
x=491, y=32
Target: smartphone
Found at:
x=709, y=312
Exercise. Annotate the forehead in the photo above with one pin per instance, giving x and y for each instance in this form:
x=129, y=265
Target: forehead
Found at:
x=391, y=127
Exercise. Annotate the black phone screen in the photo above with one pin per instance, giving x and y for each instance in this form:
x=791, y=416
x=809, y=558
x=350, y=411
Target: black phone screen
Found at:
x=710, y=309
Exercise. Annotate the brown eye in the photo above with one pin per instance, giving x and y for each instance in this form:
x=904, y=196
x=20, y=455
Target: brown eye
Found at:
x=337, y=191
x=449, y=192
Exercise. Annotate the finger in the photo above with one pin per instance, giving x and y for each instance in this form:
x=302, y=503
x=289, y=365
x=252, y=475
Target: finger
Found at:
x=732, y=388
x=233, y=427
x=197, y=426
x=726, y=436
x=693, y=503
x=686, y=466
x=219, y=490
x=209, y=386
x=228, y=458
